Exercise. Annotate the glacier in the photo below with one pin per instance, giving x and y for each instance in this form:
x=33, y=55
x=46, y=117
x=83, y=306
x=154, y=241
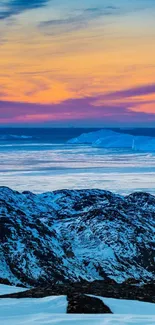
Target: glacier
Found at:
x=107, y=138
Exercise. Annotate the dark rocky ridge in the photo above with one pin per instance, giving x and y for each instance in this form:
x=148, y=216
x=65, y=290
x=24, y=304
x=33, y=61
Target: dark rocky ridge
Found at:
x=76, y=235
x=108, y=289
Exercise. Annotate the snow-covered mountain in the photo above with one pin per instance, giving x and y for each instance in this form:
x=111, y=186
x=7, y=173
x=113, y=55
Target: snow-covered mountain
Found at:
x=110, y=139
x=74, y=235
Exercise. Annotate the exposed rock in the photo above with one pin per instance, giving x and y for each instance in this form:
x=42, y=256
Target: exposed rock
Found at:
x=144, y=292
x=82, y=304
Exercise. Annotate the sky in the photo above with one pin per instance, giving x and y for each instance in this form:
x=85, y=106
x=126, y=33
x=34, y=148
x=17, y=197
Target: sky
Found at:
x=77, y=63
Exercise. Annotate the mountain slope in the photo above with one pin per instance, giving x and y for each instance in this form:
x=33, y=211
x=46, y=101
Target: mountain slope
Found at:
x=74, y=235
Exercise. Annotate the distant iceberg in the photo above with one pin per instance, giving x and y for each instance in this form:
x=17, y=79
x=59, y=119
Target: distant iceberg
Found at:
x=16, y=137
x=89, y=138
x=111, y=139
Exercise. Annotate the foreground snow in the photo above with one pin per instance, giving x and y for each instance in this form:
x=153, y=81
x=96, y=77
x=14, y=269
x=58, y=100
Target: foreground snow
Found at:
x=32, y=306
x=52, y=310
x=49, y=319
x=28, y=310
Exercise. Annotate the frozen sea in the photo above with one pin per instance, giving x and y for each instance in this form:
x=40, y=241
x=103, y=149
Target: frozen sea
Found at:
x=40, y=160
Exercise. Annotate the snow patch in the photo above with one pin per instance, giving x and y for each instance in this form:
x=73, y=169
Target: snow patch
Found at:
x=132, y=307
x=6, y=289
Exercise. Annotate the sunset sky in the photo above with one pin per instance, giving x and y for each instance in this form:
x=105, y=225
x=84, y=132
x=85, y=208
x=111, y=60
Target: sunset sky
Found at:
x=77, y=63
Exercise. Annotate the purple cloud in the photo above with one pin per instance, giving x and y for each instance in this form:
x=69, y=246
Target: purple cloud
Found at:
x=74, y=111
x=131, y=92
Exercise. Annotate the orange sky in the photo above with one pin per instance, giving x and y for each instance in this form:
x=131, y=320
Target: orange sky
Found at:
x=51, y=55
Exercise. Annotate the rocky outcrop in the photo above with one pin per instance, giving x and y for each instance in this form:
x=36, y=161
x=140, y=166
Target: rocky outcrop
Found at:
x=109, y=289
x=76, y=235
x=82, y=304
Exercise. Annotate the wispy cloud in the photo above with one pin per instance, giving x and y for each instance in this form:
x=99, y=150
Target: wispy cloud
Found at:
x=132, y=92
x=72, y=110
x=14, y=7
x=77, y=19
